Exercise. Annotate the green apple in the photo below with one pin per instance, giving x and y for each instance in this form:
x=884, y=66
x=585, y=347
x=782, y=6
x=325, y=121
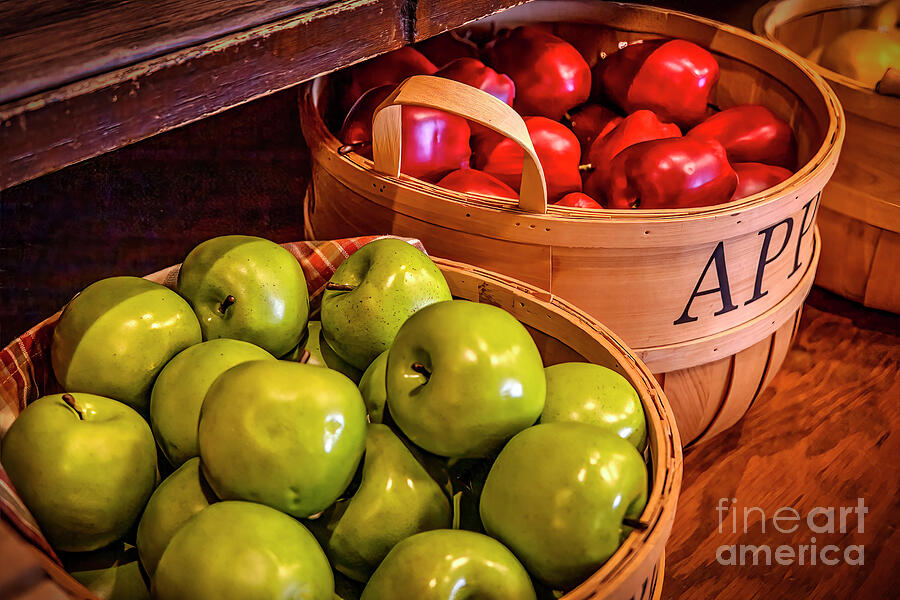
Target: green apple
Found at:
x=322, y=354
x=447, y=564
x=372, y=293
x=309, y=343
x=242, y=551
x=372, y=387
x=396, y=499
x=84, y=466
x=181, y=386
x=282, y=433
x=345, y=588
x=594, y=394
x=111, y=573
x=246, y=288
x=114, y=337
x=318, y=353
x=557, y=496
x=464, y=377
x=180, y=496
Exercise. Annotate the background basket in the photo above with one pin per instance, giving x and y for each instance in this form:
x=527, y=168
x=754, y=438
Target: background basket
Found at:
x=636, y=271
x=860, y=214
x=562, y=333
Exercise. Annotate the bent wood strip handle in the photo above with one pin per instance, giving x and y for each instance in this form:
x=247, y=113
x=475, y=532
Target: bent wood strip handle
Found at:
x=464, y=101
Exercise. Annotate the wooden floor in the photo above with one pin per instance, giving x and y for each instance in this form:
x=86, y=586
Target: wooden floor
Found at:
x=825, y=433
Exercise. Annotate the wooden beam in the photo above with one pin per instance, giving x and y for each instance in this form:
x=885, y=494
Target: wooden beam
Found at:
x=51, y=129
x=437, y=16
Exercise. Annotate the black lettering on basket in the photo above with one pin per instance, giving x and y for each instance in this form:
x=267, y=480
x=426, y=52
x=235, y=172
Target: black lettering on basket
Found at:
x=718, y=256
x=804, y=229
x=764, y=255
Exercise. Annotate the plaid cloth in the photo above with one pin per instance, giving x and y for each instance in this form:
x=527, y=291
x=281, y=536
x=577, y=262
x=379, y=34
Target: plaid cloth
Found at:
x=26, y=373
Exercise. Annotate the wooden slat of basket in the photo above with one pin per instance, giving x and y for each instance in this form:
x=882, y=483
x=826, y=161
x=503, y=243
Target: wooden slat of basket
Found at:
x=847, y=259
x=697, y=394
x=747, y=372
x=883, y=285
x=781, y=343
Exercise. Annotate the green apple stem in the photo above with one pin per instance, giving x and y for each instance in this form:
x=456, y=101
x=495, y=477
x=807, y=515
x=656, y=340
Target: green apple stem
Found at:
x=342, y=287
x=70, y=400
x=635, y=523
x=228, y=301
x=421, y=369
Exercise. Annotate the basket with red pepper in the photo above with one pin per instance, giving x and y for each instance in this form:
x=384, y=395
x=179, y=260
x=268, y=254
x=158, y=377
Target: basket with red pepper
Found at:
x=659, y=170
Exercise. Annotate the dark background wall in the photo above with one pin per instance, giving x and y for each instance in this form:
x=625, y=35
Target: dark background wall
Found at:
x=143, y=207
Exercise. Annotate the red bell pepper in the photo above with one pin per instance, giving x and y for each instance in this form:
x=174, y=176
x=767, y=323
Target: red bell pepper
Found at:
x=434, y=142
x=477, y=182
x=446, y=47
x=357, y=127
x=639, y=126
x=472, y=71
x=551, y=77
x=390, y=68
x=677, y=172
x=756, y=177
x=751, y=133
x=590, y=122
x=556, y=147
x=673, y=78
x=578, y=200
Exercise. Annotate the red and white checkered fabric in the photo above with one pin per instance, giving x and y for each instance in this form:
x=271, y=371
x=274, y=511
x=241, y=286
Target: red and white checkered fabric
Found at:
x=26, y=373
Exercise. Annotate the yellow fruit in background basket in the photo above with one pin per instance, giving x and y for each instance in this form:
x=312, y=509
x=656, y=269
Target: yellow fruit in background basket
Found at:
x=885, y=17
x=862, y=54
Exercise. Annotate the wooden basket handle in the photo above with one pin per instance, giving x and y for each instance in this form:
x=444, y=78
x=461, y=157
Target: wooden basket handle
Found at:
x=464, y=101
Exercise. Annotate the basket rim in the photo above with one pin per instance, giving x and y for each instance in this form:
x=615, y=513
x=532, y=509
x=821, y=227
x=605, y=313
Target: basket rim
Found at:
x=666, y=456
x=827, y=153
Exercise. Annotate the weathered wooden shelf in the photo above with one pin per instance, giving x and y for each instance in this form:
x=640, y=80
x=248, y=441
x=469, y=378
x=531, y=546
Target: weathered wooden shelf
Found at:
x=80, y=79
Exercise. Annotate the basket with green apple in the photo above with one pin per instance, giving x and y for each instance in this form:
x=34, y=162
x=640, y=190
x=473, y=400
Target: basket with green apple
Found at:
x=319, y=420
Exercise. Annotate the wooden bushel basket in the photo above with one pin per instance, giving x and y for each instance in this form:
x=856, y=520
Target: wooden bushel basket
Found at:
x=708, y=298
x=562, y=333
x=860, y=213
